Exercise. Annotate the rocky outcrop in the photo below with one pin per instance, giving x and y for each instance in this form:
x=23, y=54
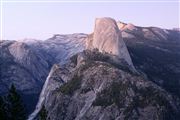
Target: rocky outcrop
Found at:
x=107, y=38
x=101, y=89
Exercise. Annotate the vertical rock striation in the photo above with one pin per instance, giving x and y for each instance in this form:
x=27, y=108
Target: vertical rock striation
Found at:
x=107, y=38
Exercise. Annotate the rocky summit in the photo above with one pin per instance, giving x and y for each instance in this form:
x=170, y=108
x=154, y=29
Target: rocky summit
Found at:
x=120, y=71
x=102, y=89
x=107, y=38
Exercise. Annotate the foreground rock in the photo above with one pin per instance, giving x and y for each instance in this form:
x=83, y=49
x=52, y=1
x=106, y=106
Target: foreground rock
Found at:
x=100, y=89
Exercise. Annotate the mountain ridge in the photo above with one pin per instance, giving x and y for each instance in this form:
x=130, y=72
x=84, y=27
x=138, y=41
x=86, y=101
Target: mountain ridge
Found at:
x=154, y=52
x=80, y=60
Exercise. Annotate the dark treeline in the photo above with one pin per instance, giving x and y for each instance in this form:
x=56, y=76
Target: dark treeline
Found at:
x=12, y=106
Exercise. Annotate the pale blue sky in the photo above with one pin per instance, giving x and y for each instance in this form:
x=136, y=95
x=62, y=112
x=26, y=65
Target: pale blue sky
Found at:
x=42, y=20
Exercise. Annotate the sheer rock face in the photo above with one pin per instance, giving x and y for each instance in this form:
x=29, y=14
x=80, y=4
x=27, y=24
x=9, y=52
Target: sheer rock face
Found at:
x=107, y=38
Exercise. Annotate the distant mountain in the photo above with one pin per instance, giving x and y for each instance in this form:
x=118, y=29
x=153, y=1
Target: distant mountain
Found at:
x=156, y=52
x=23, y=67
x=60, y=47
x=26, y=63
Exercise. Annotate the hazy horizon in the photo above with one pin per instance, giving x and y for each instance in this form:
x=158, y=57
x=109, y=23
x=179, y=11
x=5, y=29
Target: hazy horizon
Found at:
x=42, y=20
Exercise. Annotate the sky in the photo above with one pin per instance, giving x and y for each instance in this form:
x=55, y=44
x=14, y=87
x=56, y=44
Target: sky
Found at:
x=41, y=20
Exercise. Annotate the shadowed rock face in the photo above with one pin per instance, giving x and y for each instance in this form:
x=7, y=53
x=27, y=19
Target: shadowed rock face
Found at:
x=155, y=51
x=107, y=38
x=26, y=63
x=21, y=66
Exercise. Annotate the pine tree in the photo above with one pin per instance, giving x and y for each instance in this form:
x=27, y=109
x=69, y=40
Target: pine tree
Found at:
x=16, y=109
x=43, y=113
x=3, y=114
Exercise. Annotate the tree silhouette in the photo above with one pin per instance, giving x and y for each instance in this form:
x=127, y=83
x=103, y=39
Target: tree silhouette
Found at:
x=3, y=112
x=16, y=109
x=43, y=113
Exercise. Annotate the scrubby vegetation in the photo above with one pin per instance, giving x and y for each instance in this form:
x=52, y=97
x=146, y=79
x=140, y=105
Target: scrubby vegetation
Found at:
x=95, y=55
x=72, y=85
x=150, y=95
x=11, y=106
x=114, y=61
x=74, y=59
x=146, y=97
x=116, y=93
x=85, y=90
x=43, y=114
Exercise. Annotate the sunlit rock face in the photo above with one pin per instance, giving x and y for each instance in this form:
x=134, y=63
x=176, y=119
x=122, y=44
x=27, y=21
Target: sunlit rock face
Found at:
x=152, y=33
x=121, y=25
x=107, y=38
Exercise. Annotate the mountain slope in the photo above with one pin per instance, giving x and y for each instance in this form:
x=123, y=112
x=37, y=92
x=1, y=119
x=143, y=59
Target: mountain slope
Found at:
x=26, y=63
x=22, y=67
x=155, y=51
x=100, y=89
x=60, y=47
